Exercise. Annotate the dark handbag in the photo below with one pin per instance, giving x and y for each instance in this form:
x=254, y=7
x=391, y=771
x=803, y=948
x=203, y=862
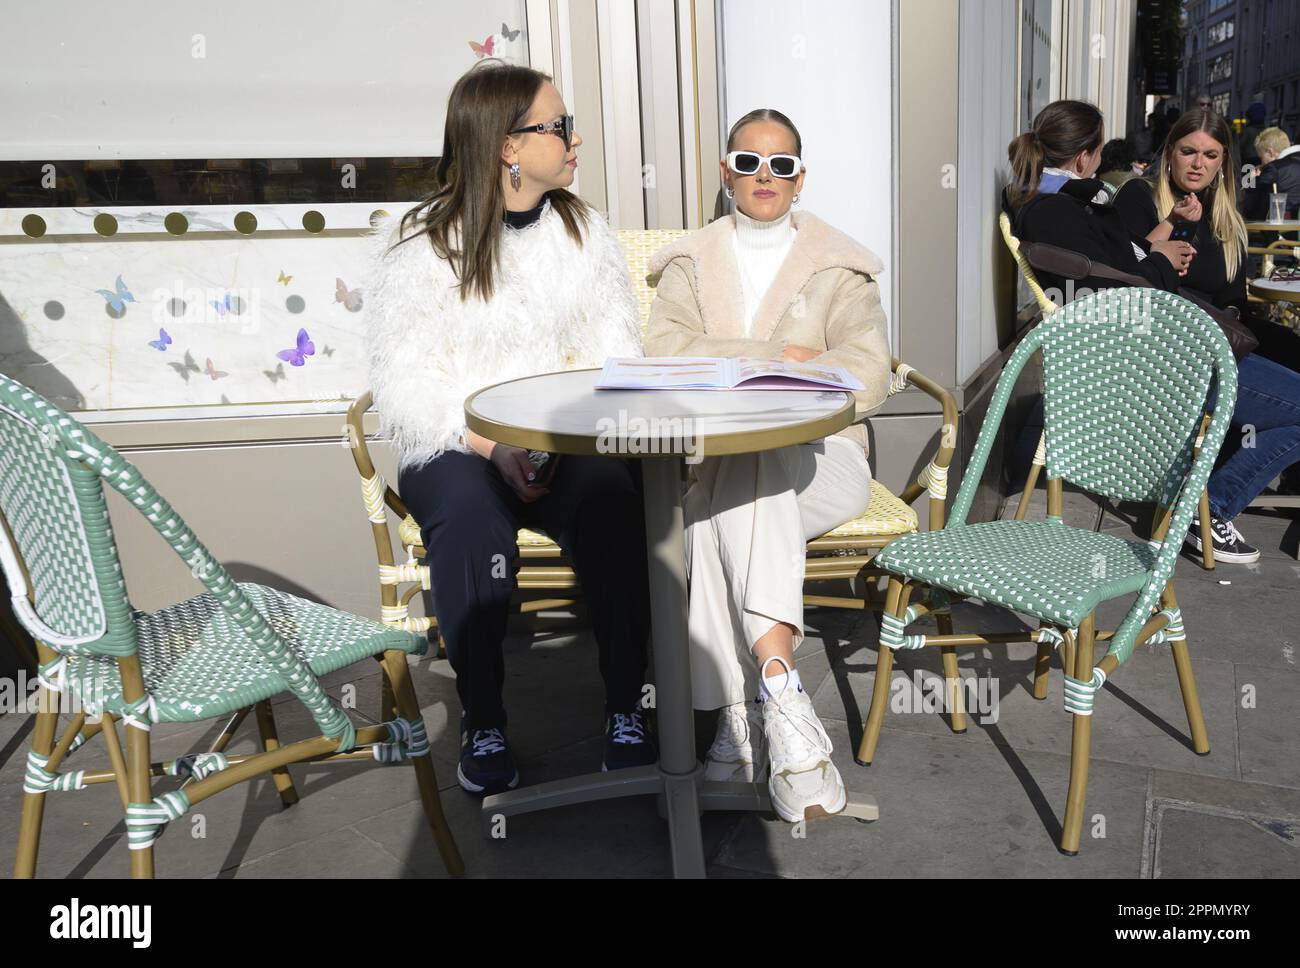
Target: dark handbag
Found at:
x=1069, y=264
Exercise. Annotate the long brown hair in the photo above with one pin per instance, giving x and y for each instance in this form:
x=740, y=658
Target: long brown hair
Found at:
x=1221, y=194
x=1061, y=131
x=462, y=216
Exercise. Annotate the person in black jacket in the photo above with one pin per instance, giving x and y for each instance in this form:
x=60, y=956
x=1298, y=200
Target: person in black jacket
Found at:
x=1053, y=199
x=1280, y=171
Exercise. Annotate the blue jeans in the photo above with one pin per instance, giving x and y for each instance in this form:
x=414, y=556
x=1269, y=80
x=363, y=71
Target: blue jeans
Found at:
x=1268, y=404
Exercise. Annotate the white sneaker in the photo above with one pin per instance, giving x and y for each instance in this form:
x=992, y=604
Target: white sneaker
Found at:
x=804, y=783
x=737, y=753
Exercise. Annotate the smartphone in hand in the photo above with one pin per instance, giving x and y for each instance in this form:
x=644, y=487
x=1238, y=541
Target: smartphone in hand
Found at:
x=1183, y=232
x=543, y=467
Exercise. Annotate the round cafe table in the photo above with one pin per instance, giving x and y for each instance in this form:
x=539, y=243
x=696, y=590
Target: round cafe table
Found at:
x=1276, y=291
x=564, y=413
x=1286, y=225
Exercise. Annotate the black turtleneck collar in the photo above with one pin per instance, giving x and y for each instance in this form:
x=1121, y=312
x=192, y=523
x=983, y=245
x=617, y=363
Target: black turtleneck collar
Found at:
x=519, y=220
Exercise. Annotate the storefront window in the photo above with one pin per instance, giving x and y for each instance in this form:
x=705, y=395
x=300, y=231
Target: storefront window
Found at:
x=192, y=238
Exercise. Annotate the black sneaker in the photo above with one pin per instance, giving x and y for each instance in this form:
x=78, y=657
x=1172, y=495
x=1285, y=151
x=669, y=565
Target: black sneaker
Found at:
x=1229, y=545
x=628, y=742
x=486, y=766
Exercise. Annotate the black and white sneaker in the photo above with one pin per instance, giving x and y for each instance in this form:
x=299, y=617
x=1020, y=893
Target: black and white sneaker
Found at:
x=486, y=766
x=1229, y=545
x=628, y=742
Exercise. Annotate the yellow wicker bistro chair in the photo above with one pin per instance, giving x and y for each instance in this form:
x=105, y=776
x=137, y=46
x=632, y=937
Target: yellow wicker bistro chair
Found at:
x=220, y=654
x=1048, y=307
x=1126, y=374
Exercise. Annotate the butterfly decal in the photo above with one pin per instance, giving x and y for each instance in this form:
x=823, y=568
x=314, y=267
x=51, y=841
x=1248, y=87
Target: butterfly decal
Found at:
x=484, y=49
x=213, y=372
x=283, y=279
x=298, y=355
x=351, y=298
x=185, y=368
x=222, y=306
x=117, y=300
x=507, y=33
x=327, y=350
x=276, y=375
x=162, y=342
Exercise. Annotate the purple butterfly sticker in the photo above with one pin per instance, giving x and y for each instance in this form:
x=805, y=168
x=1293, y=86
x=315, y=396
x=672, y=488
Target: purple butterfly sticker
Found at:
x=298, y=355
x=162, y=342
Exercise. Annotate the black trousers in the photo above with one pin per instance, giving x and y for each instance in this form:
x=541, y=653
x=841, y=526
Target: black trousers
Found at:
x=468, y=517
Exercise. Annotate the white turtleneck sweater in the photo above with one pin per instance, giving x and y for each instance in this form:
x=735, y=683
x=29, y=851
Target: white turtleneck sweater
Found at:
x=760, y=247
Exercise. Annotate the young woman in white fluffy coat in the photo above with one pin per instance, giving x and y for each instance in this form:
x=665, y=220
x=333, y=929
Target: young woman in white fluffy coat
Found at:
x=502, y=272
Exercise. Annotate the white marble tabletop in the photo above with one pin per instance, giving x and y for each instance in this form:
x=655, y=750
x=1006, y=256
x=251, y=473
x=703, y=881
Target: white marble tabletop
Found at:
x=564, y=413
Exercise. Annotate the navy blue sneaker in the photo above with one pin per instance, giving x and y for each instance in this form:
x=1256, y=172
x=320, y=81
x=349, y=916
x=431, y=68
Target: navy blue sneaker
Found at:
x=628, y=742
x=486, y=766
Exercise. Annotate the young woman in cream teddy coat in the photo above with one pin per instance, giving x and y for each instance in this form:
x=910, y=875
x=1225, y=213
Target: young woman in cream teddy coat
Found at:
x=766, y=284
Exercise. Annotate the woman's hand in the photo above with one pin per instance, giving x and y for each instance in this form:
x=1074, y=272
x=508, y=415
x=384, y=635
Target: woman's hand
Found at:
x=1188, y=209
x=518, y=471
x=798, y=354
x=1179, y=254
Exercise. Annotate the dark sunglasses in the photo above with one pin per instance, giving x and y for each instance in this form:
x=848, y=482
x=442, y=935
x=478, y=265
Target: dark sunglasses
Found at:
x=560, y=126
x=748, y=162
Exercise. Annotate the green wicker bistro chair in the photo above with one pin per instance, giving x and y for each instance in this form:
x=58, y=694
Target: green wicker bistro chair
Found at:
x=222, y=653
x=1126, y=375
x=1047, y=307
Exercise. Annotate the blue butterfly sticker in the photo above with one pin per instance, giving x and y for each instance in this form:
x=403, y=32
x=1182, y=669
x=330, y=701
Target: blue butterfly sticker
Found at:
x=162, y=342
x=117, y=300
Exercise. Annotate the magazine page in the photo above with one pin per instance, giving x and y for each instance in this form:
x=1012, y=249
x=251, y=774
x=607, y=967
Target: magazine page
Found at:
x=667, y=373
x=789, y=375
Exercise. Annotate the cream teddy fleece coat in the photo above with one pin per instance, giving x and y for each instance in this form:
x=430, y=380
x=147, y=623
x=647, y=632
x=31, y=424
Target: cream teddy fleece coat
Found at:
x=557, y=306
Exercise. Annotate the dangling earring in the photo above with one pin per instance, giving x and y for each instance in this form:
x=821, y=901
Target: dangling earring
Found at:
x=731, y=192
x=795, y=200
x=514, y=176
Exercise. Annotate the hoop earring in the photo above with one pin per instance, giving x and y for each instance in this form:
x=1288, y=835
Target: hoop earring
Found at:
x=731, y=192
x=795, y=200
x=514, y=176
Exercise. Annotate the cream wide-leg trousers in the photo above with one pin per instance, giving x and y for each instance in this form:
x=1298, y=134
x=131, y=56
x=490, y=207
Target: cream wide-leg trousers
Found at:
x=748, y=518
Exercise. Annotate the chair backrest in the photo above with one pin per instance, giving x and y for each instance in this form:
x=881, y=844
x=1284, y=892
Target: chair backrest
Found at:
x=1126, y=375
x=1013, y=245
x=638, y=246
x=54, y=514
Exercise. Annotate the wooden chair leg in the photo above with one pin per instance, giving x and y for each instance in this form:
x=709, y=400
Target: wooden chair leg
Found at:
x=952, y=677
x=1187, y=682
x=398, y=674
x=1207, y=540
x=1042, y=665
x=1072, y=828
x=29, y=826
x=271, y=741
x=138, y=781
x=895, y=604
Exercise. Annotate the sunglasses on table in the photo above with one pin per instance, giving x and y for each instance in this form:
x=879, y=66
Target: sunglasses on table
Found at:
x=563, y=127
x=748, y=162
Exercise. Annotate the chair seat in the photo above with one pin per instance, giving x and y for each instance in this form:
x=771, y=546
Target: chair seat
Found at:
x=408, y=532
x=197, y=663
x=1046, y=569
x=885, y=514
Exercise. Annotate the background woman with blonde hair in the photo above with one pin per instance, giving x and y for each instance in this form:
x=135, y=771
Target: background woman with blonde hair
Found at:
x=1190, y=194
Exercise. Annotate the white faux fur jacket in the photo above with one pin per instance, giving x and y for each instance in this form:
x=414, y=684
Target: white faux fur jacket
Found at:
x=557, y=306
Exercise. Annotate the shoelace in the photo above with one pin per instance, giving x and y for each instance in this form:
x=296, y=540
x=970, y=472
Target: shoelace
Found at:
x=628, y=728
x=736, y=735
x=793, y=728
x=1227, y=531
x=488, y=741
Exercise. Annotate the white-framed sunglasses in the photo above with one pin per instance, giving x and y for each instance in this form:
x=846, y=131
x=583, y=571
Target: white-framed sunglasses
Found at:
x=748, y=163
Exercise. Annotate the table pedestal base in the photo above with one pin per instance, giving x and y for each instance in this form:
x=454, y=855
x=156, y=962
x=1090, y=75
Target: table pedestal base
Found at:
x=684, y=796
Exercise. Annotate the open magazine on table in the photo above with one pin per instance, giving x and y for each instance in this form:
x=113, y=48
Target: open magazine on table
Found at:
x=717, y=373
